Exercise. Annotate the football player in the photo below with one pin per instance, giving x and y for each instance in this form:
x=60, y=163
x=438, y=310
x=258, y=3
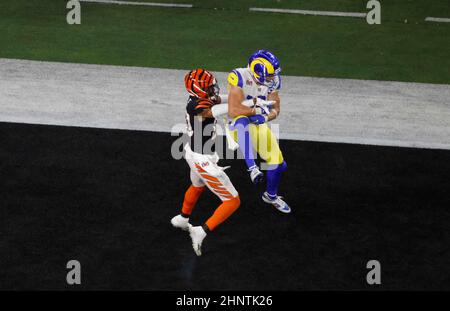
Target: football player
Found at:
x=202, y=107
x=258, y=83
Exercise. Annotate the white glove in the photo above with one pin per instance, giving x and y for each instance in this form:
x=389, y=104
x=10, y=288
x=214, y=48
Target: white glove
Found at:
x=265, y=103
x=264, y=110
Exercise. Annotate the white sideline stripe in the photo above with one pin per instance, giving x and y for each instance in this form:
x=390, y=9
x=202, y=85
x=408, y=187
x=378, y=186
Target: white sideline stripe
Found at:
x=308, y=12
x=403, y=114
x=170, y=5
x=437, y=19
x=365, y=141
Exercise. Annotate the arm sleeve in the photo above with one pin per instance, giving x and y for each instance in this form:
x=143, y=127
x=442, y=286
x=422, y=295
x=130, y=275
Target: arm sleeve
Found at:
x=196, y=107
x=218, y=110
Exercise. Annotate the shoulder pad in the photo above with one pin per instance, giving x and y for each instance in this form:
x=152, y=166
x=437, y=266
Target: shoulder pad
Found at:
x=235, y=79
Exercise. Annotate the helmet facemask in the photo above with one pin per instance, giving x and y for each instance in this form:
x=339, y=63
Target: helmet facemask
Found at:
x=213, y=90
x=270, y=81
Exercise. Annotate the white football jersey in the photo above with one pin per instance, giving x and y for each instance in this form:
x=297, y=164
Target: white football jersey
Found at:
x=243, y=78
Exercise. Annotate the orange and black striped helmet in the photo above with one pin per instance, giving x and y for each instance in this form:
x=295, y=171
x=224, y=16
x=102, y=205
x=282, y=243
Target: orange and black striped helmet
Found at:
x=201, y=83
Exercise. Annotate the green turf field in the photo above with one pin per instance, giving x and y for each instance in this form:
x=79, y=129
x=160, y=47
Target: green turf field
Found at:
x=220, y=35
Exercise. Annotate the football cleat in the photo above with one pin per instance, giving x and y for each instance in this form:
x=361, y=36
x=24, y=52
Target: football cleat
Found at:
x=256, y=175
x=277, y=202
x=197, y=235
x=181, y=222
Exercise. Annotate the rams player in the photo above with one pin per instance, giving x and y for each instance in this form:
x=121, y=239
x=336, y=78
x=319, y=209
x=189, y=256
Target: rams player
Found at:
x=202, y=108
x=259, y=83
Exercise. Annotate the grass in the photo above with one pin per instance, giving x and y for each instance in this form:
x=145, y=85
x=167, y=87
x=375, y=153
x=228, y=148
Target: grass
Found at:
x=222, y=39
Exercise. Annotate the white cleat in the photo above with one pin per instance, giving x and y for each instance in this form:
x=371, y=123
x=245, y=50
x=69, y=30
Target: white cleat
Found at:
x=277, y=202
x=197, y=235
x=256, y=175
x=181, y=222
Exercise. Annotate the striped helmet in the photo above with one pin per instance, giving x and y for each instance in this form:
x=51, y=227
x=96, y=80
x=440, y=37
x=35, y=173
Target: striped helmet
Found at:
x=201, y=83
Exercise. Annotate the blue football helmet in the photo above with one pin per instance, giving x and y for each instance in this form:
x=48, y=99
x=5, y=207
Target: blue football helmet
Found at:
x=263, y=65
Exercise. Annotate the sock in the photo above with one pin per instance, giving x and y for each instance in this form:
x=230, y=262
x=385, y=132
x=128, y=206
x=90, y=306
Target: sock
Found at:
x=273, y=176
x=244, y=141
x=225, y=210
x=190, y=199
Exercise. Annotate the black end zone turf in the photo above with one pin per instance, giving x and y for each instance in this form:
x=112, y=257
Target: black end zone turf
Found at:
x=105, y=198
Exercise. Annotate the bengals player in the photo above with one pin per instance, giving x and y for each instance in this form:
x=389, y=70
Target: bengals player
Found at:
x=202, y=107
